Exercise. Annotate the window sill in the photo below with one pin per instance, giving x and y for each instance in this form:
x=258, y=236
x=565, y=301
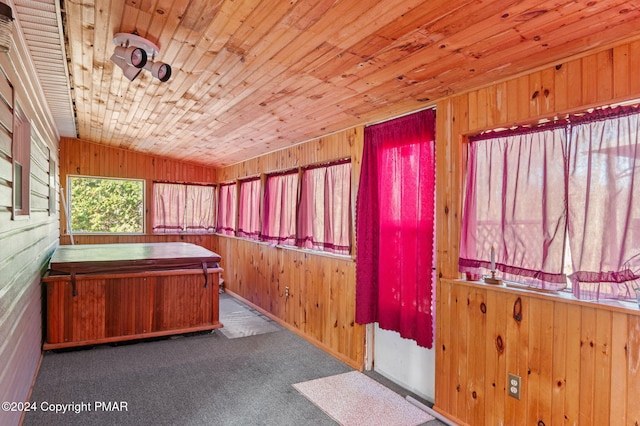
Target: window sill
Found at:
x=624, y=306
x=293, y=248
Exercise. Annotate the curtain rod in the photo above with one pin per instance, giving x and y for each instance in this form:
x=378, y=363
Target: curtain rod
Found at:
x=400, y=116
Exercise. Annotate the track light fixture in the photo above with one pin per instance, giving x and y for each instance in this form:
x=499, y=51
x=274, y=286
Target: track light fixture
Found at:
x=134, y=53
x=159, y=70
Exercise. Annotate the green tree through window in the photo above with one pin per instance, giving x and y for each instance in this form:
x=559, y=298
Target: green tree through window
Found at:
x=106, y=205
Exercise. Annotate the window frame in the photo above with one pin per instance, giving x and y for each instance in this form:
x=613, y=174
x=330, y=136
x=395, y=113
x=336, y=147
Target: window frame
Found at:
x=185, y=227
x=302, y=242
x=21, y=163
x=70, y=205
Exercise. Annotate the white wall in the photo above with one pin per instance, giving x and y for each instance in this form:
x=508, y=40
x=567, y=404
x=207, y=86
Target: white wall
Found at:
x=27, y=242
x=404, y=362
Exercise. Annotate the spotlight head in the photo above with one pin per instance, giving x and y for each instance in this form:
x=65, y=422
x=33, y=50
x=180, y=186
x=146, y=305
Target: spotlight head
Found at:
x=129, y=71
x=159, y=70
x=132, y=55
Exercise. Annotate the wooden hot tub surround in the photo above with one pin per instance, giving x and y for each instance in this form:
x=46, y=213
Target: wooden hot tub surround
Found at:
x=100, y=293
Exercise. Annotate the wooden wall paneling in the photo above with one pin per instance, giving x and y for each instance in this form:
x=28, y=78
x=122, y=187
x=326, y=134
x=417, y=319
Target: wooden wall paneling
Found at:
x=500, y=111
x=517, y=354
x=461, y=352
x=482, y=111
x=328, y=304
x=572, y=364
x=634, y=64
x=619, y=372
x=621, y=72
x=476, y=304
x=633, y=370
x=523, y=101
x=313, y=286
x=548, y=91
x=605, y=73
x=495, y=364
x=451, y=117
x=539, y=371
x=444, y=348
x=602, y=341
x=587, y=366
x=575, y=96
x=343, y=306
x=559, y=368
x=561, y=84
x=589, y=74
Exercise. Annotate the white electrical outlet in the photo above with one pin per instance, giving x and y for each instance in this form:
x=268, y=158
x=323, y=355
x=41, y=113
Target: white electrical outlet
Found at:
x=513, y=386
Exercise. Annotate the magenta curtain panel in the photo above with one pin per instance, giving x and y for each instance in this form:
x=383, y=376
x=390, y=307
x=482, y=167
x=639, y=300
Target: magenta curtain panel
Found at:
x=169, y=201
x=227, y=209
x=325, y=208
x=395, y=227
x=515, y=202
x=280, y=202
x=200, y=208
x=604, y=203
x=249, y=209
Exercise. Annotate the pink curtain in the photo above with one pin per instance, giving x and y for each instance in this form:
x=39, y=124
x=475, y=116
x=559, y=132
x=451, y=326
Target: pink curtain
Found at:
x=227, y=209
x=325, y=208
x=515, y=202
x=168, y=207
x=249, y=209
x=280, y=201
x=200, y=207
x=604, y=203
x=395, y=227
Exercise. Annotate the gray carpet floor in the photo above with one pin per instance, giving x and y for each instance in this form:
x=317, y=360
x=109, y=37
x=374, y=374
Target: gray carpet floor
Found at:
x=203, y=379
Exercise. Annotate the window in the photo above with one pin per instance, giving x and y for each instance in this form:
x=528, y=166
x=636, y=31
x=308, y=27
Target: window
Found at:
x=249, y=209
x=104, y=205
x=183, y=208
x=280, y=201
x=324, y=215
x=21, y=162
x=515, y=205
x=227, y=209
x=53, y=187
x=558, y=194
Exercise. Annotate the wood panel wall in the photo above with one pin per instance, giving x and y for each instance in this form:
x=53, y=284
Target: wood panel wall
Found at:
x=576, y=361
x=321, y=302
x=26, y=242
x=79, y=157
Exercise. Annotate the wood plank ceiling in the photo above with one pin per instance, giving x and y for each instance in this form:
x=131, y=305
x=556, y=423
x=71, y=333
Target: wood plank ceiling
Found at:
x=252, y=76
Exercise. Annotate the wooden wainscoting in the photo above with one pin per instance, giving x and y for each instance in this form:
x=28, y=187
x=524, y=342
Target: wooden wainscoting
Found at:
x=320, y=304
x=579, y=362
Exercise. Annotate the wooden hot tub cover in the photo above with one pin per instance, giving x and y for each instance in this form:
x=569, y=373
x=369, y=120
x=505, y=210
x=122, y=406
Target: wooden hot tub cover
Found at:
x=133, y=257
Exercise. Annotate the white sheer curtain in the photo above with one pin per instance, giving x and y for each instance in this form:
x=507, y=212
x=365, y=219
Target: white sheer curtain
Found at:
x=249, y=209
x=604, y=203
x=325, y=209
x=168, y=207
x=280, y=202
x=200, y=207
x=515, y=203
